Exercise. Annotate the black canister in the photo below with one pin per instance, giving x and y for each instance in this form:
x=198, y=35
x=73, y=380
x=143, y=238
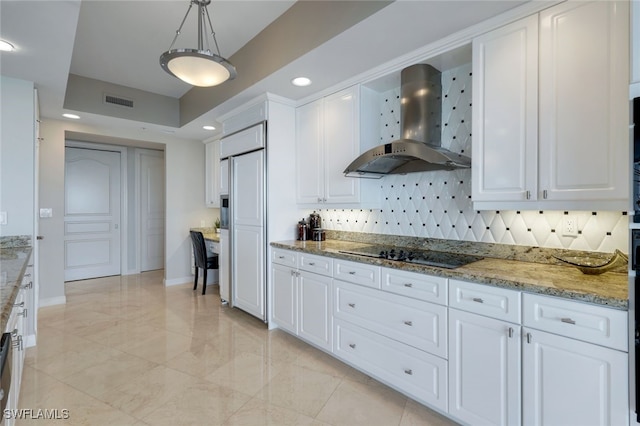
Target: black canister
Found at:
x=315, y=221
x=303, y=230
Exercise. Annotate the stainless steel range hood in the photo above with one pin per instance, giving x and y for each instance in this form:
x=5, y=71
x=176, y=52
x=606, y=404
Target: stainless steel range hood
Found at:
x=419, y=149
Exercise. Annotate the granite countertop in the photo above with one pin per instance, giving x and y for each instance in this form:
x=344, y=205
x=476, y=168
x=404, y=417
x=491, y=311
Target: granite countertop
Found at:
x=13, y=263
x=208, y=234
x=609, y=289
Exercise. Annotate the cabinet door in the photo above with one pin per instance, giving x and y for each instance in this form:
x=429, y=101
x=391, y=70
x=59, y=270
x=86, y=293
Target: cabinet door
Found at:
x=314, y=303
x=285, y=297
x=224, y=266
x=309, y=153
x=568, y=382
x=484, y=369
x=341, y=145
x=584, y=109
x=505, y=113
x=224, y=177
x=212, y=174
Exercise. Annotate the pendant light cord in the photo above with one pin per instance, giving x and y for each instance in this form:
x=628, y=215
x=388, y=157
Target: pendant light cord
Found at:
x=200, y=25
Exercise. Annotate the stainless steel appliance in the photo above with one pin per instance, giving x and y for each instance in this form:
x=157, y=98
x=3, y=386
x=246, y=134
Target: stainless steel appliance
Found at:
x=245, y=152
x=224, y=211
x=422, y=257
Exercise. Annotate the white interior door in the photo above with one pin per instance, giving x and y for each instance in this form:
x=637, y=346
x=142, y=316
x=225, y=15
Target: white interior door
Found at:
x=92, y=213
x=152, y=210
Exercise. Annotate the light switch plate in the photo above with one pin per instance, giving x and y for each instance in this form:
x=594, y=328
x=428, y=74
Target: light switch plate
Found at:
x=46, y=212
x=3, y=218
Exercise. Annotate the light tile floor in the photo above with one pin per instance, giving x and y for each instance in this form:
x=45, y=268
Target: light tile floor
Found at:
x=128, y=351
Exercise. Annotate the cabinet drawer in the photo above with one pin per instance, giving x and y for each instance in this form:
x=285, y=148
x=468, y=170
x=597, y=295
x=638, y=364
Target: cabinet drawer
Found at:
x=318, y=264
x=284, y=257
x=414, y=285
x=413, y=322
x=485, y=300
x=582, y=321
x=357, y=273
x=411, y=371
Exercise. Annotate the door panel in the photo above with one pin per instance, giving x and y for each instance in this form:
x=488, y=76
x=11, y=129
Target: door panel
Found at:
x=92, y=213
x=152, y=210
x=248, y=269
x=248, y=189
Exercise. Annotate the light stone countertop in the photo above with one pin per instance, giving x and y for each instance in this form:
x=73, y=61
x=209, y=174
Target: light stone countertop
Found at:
x=208, y=234
x=609, y=289
x=13, y=263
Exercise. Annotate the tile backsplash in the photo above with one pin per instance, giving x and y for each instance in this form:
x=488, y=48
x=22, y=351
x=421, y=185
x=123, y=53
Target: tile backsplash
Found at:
x=438, y=204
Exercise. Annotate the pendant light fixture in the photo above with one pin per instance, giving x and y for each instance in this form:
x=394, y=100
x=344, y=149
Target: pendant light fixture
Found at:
x=198, y=67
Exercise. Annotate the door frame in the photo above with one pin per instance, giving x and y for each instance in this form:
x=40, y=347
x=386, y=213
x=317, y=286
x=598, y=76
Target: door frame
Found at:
x=124, y=207
x=138, y=206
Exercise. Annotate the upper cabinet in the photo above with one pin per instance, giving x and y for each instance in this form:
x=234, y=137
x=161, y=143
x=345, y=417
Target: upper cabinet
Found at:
x=328, y=138
x=550, y=110
x=212, y=174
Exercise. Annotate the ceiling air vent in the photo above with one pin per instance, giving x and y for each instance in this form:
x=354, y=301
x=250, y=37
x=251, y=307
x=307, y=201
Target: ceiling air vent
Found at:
x=118, y=100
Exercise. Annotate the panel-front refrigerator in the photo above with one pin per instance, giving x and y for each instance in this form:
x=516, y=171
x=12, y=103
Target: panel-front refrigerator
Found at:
x=247, y=219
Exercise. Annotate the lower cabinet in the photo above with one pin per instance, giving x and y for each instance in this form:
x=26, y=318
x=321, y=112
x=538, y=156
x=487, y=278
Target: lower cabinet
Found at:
x=15, y=326
x=301, y=300
x=481, y=354
x=412, y=371
x=569, y=382
x=484, y=369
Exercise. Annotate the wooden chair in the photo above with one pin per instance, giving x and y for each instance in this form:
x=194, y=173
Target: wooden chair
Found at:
x=201, y=260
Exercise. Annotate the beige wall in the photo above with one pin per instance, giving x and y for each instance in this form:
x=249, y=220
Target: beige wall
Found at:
x=184, y=160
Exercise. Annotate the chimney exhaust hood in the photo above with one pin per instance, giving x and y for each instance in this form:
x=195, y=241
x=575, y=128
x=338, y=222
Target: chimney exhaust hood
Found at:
x=419, y=149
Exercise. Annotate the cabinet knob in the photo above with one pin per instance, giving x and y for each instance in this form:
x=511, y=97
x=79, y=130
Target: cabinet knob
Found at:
x=409, y=285
x=567, y=320
x=408, y=371
x=478, y=300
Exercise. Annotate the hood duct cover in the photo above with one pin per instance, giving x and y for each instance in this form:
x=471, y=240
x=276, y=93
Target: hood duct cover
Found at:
x=419, y=149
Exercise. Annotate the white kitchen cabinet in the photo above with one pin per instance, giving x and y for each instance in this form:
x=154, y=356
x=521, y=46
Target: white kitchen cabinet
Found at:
x=568, y=382
x=212, y=174
x=582, y=126
x=223, y=180
x=328, y=138
x=15, y=326
x=302, y=297
x=416, y=373
x=314, y=309
x=284, y=309
x=484, y=369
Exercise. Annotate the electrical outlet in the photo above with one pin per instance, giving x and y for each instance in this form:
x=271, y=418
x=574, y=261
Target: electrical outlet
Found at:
x=569, y=226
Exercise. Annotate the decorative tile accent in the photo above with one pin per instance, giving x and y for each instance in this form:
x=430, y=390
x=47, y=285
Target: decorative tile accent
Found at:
x=438, y=204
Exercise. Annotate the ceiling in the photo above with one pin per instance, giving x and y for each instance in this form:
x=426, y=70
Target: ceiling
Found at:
x=120, y=42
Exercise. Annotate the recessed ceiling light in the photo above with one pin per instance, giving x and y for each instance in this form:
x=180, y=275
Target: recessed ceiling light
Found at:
x=301, y=81
x=208, y=127
x=72, y=116
x=5, y=46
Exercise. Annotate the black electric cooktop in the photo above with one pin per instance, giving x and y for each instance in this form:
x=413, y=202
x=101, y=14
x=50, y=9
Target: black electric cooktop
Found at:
x=423, y=257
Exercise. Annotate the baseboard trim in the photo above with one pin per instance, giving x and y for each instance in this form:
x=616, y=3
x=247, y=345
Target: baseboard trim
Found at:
x=52, y=301
x=177, y=281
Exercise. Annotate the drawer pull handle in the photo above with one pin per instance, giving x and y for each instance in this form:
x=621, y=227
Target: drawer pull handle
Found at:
x=528, y=337
x=21, y=304
x=567, y=320
x=352, y=272
x=280, y=257
x=352, y=305
x=408, y=371
x=408, y=285
x=510, y=332
x=477, y=299
x=409, y=323
x=312, y=263
x=23, y=313
x=28, y=285
x=352, y=345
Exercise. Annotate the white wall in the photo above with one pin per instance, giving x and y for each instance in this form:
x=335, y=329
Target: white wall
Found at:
x=16, y=155
x=184, y=203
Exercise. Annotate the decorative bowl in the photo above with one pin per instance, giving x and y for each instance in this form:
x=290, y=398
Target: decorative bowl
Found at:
x=594, y=265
